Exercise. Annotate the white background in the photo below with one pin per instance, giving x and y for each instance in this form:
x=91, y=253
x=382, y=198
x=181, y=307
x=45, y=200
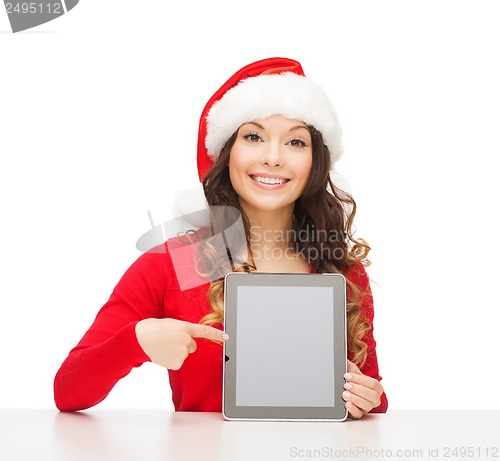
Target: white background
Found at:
x=99, y=114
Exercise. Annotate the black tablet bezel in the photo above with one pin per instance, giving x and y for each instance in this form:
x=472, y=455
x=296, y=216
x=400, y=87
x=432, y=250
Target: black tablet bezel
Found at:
x=233, y=412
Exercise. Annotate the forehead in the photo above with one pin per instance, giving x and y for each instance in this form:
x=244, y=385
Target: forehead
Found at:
x=277, y=122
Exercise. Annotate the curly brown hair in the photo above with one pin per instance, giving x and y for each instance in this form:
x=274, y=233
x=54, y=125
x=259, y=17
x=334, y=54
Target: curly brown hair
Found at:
x=322, y=209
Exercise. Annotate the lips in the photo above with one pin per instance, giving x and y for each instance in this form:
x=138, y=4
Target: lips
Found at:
x=269, y=180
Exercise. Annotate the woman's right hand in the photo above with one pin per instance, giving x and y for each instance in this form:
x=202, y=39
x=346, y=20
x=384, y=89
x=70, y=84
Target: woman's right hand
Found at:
x=168, y=342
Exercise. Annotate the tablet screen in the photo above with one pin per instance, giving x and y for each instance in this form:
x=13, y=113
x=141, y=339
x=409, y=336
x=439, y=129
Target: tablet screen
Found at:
x=285, y=358
x=295, y=369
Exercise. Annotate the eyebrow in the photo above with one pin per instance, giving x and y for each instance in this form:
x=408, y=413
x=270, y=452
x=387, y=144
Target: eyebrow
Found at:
x=291, y=129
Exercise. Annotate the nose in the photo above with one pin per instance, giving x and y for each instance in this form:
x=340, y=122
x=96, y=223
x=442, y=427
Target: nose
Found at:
x=273, y=155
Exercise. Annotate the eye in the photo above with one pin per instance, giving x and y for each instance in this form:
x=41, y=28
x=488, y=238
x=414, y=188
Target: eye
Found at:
x=297, y=143
x=252, y=137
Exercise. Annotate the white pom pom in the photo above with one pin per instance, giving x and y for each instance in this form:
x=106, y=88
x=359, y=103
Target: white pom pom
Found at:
x=340, y=182
x=188, y=201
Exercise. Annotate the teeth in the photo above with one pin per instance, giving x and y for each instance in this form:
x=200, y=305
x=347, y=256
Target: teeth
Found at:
x=269, y=180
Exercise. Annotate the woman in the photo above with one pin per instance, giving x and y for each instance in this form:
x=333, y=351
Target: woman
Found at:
x=268, y=139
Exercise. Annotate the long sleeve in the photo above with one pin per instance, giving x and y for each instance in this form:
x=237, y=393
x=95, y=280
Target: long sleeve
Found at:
x=109, y=349
x=359, y=276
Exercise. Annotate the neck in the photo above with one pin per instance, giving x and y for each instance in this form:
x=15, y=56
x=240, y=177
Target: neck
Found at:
x=270, y=229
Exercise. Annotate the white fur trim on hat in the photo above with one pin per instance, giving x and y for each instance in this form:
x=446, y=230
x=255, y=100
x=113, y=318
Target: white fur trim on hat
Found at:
x=291, y=95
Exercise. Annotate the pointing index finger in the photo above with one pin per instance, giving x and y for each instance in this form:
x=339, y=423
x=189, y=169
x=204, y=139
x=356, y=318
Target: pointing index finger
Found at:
x=208, y=332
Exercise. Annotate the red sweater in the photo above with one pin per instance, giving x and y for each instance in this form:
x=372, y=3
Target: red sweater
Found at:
x=109, y=349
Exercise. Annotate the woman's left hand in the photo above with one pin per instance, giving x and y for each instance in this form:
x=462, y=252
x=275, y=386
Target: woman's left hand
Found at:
x=362, y=393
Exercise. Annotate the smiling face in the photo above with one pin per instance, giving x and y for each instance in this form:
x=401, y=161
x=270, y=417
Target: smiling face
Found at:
x=270, y=162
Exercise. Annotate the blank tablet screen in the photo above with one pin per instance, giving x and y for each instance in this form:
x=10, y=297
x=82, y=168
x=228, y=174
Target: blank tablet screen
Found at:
x=277, y=370
x=285, y=358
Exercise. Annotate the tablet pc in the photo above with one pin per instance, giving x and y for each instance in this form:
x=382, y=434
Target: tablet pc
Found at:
x=286, y=355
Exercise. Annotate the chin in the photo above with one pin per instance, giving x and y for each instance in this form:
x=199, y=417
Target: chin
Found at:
x=277, y=207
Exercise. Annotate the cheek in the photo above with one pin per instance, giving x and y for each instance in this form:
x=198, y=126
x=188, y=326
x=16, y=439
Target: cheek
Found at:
x=237, y=168
x=304, y=167
x=235, y=160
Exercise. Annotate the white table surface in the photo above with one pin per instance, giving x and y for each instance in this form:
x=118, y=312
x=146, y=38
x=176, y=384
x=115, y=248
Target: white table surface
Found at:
x=150, y=435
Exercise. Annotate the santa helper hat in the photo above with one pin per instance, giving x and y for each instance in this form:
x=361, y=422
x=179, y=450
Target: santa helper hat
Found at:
x=274, y=86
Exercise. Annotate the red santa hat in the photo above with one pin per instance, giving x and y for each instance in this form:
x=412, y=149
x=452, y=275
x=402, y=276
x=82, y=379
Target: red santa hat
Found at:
x=274, y=86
